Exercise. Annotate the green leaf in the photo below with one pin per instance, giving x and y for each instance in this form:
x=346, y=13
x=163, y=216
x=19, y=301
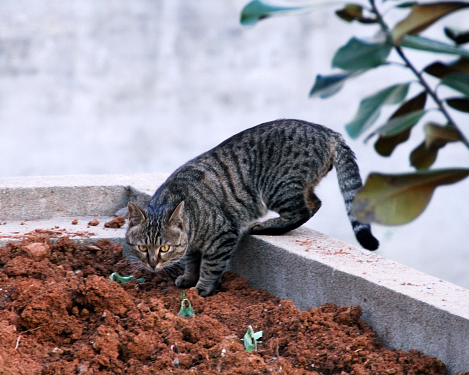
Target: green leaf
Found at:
x=407, y=4
x=358, y=54
x=186, y=310
x=257, y=336
x=439, y=69
x=430, y=45
x=396, y=131
x=350, y=12
x=370, y=108
x=257, y=10
x=460, y=65
x=326, y=86
x=396, y=199
x=460, y=104
x=458, y=82
x=423, y=16
x=399, y=124
x=248, y=343
x=251, y=339
x=386, y=143
x=124, y=279
x=436, y=137
x=456, y=35
x=354, y=12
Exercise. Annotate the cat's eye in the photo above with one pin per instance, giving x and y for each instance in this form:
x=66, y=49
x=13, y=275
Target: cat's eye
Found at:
x=164, y=248
x=142, y=248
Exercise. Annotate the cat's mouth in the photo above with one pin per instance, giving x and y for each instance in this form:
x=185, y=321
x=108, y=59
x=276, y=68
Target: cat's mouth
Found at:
x=164, y=266
x=158, y=266
x=153, y=269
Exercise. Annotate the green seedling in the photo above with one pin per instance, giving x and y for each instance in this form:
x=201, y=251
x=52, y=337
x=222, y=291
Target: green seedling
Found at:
x=186, y=310
x=251, y=339
x=124, y=279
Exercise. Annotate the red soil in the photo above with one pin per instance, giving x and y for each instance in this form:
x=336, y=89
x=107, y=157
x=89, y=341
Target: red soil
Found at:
x=117, y=222
x=60, y=314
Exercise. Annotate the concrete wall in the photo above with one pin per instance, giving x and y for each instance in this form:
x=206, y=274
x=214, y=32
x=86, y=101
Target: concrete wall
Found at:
x=141, y=86
x=406, y=308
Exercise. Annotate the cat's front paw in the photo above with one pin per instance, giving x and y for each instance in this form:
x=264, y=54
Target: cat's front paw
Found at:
x=185, y=282
x=205, y=288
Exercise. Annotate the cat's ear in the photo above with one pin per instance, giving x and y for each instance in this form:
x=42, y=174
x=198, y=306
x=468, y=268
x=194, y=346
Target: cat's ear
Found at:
x=136, y=214
x=177, y=218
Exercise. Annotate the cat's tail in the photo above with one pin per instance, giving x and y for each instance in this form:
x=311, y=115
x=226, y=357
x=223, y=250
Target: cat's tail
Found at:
x=350, y=184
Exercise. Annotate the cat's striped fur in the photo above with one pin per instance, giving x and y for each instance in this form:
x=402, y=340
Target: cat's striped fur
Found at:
x=202, y=209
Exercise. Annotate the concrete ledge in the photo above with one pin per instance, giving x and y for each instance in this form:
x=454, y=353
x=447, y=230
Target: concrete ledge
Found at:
x=32, y=198
x=53, y=202
x=407, y=308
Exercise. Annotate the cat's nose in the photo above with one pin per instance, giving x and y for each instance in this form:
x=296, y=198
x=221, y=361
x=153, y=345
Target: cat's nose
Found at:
x=153, y=264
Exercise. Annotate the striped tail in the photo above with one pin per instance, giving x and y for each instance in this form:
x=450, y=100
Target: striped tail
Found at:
x=350, y=184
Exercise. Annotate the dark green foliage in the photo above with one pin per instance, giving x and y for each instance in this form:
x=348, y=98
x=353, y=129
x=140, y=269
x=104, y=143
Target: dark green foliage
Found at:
x=358, y=56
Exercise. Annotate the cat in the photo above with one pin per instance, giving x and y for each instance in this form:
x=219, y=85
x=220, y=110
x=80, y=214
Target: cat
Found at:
x=200, y=212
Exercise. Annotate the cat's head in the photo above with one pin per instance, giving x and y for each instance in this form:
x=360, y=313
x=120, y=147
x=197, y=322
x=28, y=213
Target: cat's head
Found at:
x=158, y=238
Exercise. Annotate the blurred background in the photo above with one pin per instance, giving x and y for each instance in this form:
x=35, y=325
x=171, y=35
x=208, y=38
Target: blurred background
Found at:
x=136, y=86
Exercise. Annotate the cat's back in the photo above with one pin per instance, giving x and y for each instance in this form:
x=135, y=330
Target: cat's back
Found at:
x=279, y=132
x=286, y=139
x=237, y=175
x=257, y=151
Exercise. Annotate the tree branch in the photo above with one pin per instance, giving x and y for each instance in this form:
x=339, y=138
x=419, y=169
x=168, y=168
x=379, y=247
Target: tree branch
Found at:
x=419, y=76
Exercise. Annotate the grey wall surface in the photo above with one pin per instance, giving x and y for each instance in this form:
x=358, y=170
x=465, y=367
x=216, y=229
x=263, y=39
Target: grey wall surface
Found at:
x=131, y=86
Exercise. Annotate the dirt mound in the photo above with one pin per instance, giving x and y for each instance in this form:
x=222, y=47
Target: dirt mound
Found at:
x=61, y=314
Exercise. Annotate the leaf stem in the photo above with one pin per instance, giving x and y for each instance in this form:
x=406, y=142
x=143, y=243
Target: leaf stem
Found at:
x=419, y=76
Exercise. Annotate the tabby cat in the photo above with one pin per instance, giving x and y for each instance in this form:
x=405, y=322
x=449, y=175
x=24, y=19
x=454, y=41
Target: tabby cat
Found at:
x=200, y=212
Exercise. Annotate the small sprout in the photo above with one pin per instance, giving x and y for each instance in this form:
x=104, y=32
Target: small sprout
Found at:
x=123, y=279
x=186, y=311
x=251, y=340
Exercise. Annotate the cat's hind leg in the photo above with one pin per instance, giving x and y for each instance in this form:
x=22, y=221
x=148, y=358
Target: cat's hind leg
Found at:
x=312, y=201
x=294, y=210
